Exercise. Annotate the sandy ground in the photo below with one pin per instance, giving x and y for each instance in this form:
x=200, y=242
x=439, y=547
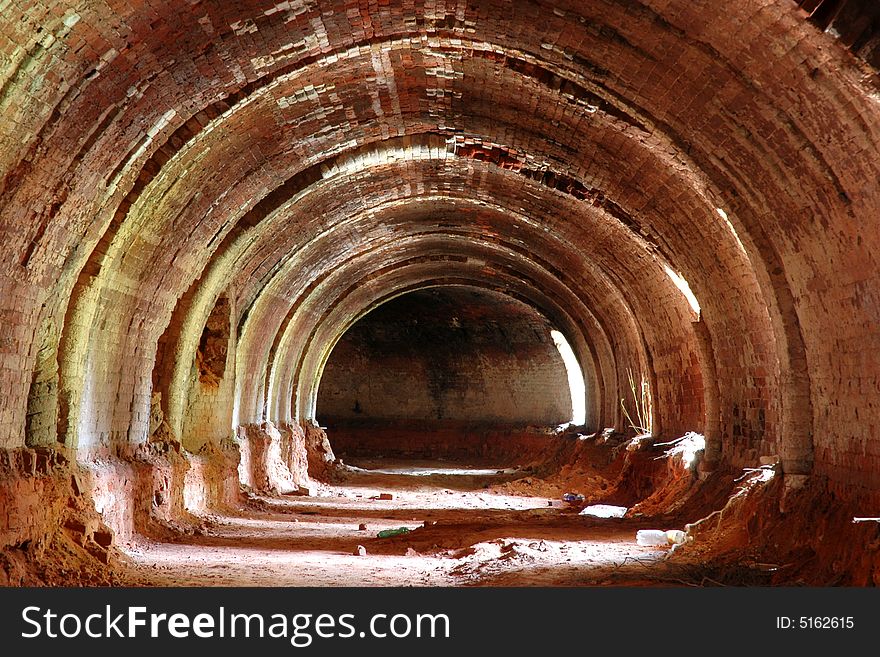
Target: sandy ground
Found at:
x=471, y=524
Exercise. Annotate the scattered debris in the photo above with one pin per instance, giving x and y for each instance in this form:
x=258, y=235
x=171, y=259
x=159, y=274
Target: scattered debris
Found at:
x=676, y=536
x=573, y=498
x=301, y=491
x=764, y=473
x=604, y=511
x=651, y=537
x=689, y=446
x=658, y=537
x=388, y=533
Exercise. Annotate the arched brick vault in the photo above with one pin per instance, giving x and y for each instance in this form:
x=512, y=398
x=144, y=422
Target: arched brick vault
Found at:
x=530, y=243
x=156, y=156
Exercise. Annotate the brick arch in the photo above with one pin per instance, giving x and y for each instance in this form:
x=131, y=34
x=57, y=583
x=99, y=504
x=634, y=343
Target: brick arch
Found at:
x=760, y=146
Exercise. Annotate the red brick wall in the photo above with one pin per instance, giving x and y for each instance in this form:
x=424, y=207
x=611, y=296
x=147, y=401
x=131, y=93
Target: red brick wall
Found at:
x=309, y=163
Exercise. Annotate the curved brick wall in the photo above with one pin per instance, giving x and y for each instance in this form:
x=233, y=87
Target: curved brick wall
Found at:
x=302, y=162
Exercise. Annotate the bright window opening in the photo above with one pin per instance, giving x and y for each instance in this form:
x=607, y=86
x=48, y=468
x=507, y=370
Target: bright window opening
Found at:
x=723, y=215
x=682, y=285
x=575, y=379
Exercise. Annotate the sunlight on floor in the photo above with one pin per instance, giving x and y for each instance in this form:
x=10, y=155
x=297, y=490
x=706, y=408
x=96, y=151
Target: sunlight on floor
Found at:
x=466, y=536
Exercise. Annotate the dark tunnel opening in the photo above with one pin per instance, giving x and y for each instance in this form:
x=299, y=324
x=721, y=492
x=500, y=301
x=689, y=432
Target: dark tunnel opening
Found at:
x=447, y=372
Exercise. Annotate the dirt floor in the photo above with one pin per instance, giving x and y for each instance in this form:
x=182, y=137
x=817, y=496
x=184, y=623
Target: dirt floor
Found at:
x=470, y=524
x=500, y=519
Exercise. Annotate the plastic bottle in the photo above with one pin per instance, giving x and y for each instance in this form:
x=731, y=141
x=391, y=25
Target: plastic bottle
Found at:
x=651, y=537
x=675, y=536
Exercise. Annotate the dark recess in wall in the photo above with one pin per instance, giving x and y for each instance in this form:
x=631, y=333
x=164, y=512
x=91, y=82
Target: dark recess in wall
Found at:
x=443, y=357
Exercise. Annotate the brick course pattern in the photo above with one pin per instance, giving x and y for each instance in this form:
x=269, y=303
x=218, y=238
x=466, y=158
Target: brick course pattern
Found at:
x=275, y=169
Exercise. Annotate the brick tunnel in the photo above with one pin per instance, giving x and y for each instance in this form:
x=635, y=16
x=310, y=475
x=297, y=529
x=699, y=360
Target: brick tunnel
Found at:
x=278, y=278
